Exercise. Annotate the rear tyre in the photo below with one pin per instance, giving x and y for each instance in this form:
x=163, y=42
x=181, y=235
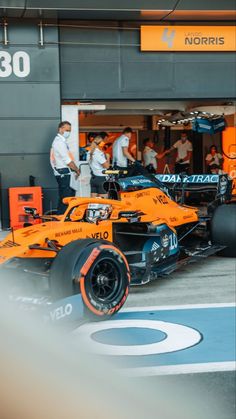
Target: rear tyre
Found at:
x=98, y=270
x=223, y=228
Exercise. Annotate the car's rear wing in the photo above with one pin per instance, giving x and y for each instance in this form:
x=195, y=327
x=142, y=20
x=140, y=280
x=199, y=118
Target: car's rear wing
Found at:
x=172, y=183
x=221, y=183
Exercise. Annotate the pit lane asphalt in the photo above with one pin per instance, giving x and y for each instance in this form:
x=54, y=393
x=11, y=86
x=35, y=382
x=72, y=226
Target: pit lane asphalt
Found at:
x=209, y=281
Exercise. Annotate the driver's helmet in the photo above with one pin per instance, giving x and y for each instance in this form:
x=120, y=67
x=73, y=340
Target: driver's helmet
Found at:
x=97, y=212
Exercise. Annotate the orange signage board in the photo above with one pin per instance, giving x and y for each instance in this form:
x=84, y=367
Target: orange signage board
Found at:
x=188, y=38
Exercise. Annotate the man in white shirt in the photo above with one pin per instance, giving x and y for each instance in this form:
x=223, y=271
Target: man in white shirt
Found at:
x=184, y=153
x=98, y=162
x=63, y=164
x=150, y=156
x=120, y=151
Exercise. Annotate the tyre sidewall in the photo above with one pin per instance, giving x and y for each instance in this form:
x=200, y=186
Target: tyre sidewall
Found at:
x=66, y=278
x=92, y=302
x=62, y=271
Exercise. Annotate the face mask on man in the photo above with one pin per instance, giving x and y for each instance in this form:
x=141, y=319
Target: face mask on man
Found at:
x=66, y=134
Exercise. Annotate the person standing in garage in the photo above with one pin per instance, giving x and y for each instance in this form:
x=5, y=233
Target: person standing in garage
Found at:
x=184, y=154
x=63, y=164
x=150, y=156
x=121, y=154
x=213, y=160
x=98, y=162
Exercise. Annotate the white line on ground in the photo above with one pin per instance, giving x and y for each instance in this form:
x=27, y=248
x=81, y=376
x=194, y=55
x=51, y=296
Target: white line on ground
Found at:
x=179, y=369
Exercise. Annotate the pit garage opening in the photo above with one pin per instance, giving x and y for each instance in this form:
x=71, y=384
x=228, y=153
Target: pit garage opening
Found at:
x=160, y=121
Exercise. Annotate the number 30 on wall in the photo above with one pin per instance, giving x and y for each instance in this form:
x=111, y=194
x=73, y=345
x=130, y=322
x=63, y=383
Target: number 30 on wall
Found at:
x=17, y=64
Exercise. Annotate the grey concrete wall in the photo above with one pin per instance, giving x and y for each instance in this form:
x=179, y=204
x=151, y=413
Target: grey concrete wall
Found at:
x=108, y=64
x=29, y=111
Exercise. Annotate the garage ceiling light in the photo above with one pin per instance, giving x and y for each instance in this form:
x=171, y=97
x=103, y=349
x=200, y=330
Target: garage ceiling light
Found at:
x=84, y=107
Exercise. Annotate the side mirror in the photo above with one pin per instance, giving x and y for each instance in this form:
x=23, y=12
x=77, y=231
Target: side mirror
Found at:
x=31, y=211
x=131, y=216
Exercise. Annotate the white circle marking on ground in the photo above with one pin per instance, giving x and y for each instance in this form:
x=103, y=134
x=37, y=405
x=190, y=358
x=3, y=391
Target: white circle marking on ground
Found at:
x=179, y=337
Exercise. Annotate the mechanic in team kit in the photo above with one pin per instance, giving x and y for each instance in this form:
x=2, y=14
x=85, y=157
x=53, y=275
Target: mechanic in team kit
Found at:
x=120, y=150
x=83, y=151
x=63, y=164
x=98, y=161
x=213, y=160
x=150, y=156
x=104, y=136
x=104, y=145
x=184, y=153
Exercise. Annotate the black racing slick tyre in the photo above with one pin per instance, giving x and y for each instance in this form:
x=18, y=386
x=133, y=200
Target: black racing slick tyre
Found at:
x=223, y=228
x=95, y=268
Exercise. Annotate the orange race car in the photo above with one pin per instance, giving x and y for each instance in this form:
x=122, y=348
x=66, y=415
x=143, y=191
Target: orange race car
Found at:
x=98, y=246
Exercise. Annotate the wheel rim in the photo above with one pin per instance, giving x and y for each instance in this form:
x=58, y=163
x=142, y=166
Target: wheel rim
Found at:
x=105, y=279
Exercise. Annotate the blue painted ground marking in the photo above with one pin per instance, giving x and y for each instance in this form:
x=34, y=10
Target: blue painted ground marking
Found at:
x=129, y=336
x=207, y=338
x=216, y=325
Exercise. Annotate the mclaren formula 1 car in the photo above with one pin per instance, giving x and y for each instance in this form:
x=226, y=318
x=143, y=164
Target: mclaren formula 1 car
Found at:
x=99, y=246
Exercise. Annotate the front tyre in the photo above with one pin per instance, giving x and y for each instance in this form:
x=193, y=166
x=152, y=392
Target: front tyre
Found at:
x=98, y=270
x=104, y=280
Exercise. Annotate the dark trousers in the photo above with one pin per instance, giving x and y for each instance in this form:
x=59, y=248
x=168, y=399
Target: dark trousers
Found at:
x=182, y=168
x=65, y=191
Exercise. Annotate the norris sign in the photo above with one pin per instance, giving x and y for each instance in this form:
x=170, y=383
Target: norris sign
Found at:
x=188, y=38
